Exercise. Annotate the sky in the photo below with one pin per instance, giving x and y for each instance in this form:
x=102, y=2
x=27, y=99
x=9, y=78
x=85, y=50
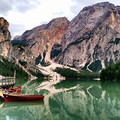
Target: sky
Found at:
x=24, y=15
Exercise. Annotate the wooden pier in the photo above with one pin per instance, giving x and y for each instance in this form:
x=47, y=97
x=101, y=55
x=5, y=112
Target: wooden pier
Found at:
x=7, y=82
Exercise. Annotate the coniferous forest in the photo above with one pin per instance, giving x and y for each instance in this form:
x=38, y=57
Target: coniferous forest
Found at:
x=7, y=68
x=68, y=73
x=111, y=73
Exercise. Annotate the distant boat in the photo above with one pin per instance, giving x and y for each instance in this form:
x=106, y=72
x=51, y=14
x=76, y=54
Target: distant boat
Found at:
x=16, y=89
x=20, y=97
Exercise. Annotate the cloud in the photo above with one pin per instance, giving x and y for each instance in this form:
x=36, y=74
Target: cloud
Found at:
x=16, y=29
x=5, y=6
x=25, y=5
x=59, y=13
x=17, y=5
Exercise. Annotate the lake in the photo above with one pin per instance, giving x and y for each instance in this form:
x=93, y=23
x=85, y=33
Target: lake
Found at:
x=66, y=100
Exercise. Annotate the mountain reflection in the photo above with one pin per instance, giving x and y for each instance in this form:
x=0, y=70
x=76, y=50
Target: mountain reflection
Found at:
x=112, y=89
x=21, y=110
x=71, y=100
x=91, y=100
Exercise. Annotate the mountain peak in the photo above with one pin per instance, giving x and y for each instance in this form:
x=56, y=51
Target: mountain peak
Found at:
x=104, y=4
x=101, y=5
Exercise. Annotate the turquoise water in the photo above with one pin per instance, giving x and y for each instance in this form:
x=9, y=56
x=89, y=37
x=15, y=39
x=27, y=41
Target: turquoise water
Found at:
x=66, y=100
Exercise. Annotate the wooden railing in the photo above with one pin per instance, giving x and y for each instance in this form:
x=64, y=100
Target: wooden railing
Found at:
x=7, y=81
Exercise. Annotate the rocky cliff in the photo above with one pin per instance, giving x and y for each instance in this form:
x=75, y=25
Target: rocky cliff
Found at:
x=4, y=32
x=45, y=41
x=5, y=37
x=18, y=53
x=92, y=39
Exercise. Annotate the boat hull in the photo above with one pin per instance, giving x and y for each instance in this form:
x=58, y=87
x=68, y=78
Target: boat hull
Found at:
x=9, y=97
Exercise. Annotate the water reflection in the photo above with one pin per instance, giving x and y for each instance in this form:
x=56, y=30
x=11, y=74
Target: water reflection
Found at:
x=90, y=100
x=21, y=110
x=112, y=89
x=16, y=104
x=68, y=100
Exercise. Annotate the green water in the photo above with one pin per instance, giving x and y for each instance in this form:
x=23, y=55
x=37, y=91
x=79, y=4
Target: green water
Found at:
x=66, y=100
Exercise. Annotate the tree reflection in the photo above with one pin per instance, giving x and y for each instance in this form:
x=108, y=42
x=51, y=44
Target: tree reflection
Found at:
x=112, y=89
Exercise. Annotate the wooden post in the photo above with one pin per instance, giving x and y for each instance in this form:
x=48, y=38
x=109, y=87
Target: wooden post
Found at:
x=8, y=81
x=2, y=81
x=14, y=76
x=5, y=80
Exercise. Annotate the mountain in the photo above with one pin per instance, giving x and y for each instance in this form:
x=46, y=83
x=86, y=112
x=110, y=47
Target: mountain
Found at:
x=89, y=41
x=19, y=54
x=92, y=40
x=45, y=41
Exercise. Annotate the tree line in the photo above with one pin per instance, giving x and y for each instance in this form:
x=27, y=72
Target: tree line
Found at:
x=111, y=73
x=7, y=68
x=68, y=73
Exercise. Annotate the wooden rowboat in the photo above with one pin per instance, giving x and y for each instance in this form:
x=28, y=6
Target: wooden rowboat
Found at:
x=16, y=89
x=14, y=97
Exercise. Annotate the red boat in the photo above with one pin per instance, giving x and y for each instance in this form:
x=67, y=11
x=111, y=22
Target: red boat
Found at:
x=14, y=97
x=16, y=89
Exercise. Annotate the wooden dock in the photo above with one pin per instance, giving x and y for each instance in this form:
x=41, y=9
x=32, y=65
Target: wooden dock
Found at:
x=7, y=82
